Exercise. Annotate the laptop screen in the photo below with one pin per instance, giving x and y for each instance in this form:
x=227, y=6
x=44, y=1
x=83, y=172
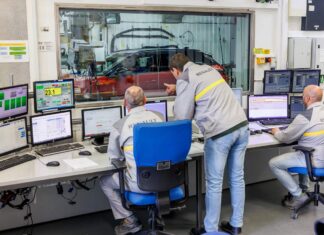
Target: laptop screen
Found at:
x=267, y=107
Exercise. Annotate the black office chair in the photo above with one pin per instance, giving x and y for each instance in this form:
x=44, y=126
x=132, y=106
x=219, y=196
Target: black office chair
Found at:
x=315, y=175
x=160, y=151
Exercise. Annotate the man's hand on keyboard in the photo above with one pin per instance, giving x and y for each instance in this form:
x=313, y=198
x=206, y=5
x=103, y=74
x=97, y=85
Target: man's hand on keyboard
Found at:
x=274, y=130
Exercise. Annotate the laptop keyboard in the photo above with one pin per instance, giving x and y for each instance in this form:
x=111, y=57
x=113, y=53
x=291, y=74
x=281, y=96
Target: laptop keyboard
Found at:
x=102, y=148
x=14, y=161
x=59, y=149
x=279, y=121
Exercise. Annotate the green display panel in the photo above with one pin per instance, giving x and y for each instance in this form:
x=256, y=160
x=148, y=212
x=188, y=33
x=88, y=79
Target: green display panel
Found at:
x=23, y=101
x=7, y=104
x=1, y=96
x=13, y=103
x=18, y=102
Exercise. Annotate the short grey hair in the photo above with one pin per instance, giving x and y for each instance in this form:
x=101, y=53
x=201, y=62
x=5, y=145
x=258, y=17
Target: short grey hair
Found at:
x=134, y=96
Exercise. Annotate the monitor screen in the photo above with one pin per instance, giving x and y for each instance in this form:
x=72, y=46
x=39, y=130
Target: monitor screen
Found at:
x=51, y=127
x=15, y=133
x=296, y=106
x=267, y=106
x=238, y=94
x=98, y=122
x=13, y=101
x=303, y=78
x=277, y=81
x=53, y=95
x=160, y=106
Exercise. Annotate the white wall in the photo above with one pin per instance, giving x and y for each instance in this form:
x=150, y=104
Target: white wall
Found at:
x=265, y=15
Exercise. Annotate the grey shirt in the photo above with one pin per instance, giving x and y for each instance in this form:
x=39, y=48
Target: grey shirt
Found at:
x=308, y=129
x=203, y=95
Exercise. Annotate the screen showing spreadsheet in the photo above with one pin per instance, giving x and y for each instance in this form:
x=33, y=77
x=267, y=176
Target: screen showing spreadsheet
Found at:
x=303, y=78
x=13, y=101
x=14, y=136
x=98, y=122
x=267, y=106
x=157, y=106
x=53, y=95
x=277, y=81
x=51, y=127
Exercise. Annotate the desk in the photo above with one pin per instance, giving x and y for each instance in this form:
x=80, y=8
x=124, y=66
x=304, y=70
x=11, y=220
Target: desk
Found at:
x=36, y=173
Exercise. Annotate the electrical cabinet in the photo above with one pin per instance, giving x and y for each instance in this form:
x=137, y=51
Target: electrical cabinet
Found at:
x=299, y=52
x=318, y=54
x=314, y=20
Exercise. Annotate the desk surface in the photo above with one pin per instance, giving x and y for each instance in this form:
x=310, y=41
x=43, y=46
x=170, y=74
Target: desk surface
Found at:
x=36, y=172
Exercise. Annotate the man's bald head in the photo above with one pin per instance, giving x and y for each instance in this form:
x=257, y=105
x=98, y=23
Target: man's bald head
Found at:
x=312, y=94
x=134, y=96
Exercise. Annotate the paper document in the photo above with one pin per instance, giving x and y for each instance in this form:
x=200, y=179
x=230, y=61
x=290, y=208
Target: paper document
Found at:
x=80, y=163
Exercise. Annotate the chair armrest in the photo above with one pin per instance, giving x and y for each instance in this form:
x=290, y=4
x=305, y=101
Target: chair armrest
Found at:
x=303, y=148
x=120, y=165
x=308, y=152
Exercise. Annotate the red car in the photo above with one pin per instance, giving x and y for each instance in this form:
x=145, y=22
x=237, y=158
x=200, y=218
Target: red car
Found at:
x=146, y=67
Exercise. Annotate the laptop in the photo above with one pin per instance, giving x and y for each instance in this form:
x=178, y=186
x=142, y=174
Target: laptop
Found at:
x=268, y=109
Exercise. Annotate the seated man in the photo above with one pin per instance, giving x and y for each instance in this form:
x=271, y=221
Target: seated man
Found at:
x=121, y=147
x=308, y=129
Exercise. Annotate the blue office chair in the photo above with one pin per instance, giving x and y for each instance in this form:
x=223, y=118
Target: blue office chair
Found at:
x=160, y=151
x=315, y=175
x=319, y=227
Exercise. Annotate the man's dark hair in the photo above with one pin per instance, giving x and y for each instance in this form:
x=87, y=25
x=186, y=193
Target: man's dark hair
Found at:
x=178, y=60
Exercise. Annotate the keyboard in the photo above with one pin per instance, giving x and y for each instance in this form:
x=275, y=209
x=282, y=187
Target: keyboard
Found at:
x=14, y=161
x=279, y=121
x=59, y=149
x=102, y=148
x=269, y=129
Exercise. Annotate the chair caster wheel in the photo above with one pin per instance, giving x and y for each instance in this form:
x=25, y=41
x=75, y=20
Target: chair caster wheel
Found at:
x=294, y=215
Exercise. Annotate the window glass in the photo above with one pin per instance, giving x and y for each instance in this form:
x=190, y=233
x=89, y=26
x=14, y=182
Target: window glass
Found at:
x=107, y=51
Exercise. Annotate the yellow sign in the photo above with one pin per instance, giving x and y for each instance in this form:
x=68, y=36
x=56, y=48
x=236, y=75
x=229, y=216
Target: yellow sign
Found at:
x=53, y=91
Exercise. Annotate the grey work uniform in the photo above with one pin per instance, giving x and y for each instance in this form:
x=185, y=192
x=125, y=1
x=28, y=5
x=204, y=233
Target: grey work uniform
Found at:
x=121, y=147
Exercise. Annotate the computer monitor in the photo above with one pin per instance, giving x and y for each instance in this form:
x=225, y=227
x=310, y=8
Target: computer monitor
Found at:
x=267, y=107
x=159, y=106
x=97, y=123
x=13, y=101
x=296, y=106
x=277, y=81
x=238, y=94
x=14, y=134
x=51, y=127
x=303, y=78
x=54, y=94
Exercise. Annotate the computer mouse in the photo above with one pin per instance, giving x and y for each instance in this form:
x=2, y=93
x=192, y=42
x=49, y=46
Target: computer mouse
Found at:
x=53, y=163
x=252, y=133
x=85, y=153
x=258, y=131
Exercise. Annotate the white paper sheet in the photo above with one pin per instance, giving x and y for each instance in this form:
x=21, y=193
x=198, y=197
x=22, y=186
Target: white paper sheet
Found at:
x=80, y=163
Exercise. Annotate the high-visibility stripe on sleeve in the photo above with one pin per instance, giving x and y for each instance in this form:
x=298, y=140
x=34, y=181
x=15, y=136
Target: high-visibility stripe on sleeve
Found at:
x=208, y=88
x=128, y=148
x=315, y=133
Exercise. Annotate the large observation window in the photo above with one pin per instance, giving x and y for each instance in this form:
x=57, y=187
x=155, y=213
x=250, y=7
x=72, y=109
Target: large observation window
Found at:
x=106, y=51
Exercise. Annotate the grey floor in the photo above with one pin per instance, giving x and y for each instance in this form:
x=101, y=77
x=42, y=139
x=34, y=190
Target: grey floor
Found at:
x=263, y=216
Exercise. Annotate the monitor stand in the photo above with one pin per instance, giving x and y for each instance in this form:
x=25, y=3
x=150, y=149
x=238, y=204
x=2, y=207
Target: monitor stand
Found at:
x=98, y=141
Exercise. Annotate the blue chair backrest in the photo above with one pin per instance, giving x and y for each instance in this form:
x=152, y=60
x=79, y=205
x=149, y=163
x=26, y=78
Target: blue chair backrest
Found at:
x=160, y=151
x=156, y=142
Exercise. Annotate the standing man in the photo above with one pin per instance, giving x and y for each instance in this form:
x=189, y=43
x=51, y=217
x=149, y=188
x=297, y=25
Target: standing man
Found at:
x=308, y=129
x=203, y=95
x=121, y=147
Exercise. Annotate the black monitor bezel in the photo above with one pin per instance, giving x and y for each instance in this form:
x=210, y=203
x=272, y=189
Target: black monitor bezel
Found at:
x=304, y=70
x=52, y=81
x=53, y=140
x=20, y=148
x=263, y=118
x=94, y=109
x=27, y=106
x=156, y=101
x=282, y=92
x=290, y=99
